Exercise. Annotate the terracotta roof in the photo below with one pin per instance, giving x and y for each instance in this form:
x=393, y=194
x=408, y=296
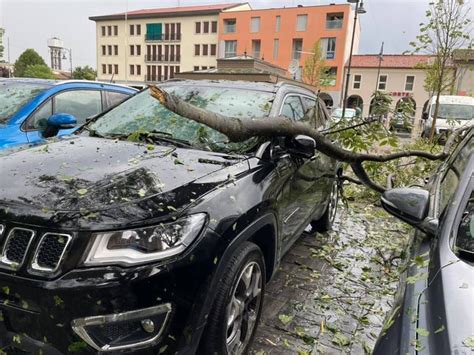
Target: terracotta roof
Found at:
x=168, y=11
x=397, y=61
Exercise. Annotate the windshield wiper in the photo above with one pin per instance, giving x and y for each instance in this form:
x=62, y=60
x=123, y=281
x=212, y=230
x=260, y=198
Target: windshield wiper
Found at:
x=168, y=138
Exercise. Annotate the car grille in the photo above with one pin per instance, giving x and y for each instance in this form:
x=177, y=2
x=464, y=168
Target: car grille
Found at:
x=48, y=252
x=15, y=247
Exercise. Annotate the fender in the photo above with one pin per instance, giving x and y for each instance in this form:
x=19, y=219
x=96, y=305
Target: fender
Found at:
x=194, y=337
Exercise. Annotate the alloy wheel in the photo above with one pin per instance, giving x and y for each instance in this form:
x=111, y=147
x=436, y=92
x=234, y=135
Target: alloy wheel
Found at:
x=243, y=308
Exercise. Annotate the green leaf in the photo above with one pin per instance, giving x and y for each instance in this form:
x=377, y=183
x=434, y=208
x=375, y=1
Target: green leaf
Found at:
x=440, y=329
x=422, y=332
x=285, y=319
x=77, y=346
x=469, y=342
x=82, y=192
x=340, y=339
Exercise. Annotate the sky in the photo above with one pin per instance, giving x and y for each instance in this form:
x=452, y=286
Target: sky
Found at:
x=29, y=23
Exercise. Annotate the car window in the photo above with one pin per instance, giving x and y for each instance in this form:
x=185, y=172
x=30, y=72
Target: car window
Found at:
x=451, y=178
x=114, y=98
x=293, y=108
x=315, y=113
x=79, y=103
x=40, y=117
x=465, y=235
x=14, y=95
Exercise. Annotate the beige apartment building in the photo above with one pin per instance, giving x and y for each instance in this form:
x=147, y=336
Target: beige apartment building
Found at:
x=398, y=75
x=152, y=45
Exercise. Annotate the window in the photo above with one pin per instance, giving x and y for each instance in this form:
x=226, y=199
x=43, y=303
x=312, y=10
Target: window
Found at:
x=357, y=81
x=109, y=50
x=276, y=48
x=103, y=31
x=115, y=30
x=154, y=31
x=230, y=25
x=301, y=22
x=213, y=49
x=382, y=82
x=331, y=77
x=450, y=181
x=113, y=98
x=139, y=49
x=110, y=68
x=104, y=51
x=82, y=104
x=329, y=47
x=203, y=68
x=109, y=30
x=292, y=108
x=197, y=49
x=139, y=70
x=132, y=69
x=277, y=23
x=139, y=30
x=297, y=48
x=465, y=236
x=214, y=26
x=198, y=27
x=255, y=24
x=316, y=115
x=205, y=27
x=132, y=49
x=256, y=44
x=196, y=68
x=39, y=119
x=104, y=69
x=230, y=49
x=132, y=30
x=409, y=83
x=334, y=21
x=115, y=50
x=115, y=68
x=205, y=49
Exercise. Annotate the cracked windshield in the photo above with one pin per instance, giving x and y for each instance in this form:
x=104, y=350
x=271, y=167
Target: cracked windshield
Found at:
x=265, y=177
x=142, y=115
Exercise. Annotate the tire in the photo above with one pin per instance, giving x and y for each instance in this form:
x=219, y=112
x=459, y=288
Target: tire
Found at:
x=230, y=300
x=325, y=223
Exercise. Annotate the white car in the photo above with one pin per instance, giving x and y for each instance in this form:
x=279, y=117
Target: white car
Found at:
x=454, y=112
x=349, y=114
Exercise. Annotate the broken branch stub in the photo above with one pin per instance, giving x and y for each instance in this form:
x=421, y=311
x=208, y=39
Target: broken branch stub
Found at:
x=241, y=129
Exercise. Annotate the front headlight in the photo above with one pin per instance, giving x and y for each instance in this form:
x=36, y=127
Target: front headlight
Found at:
x=143, y=245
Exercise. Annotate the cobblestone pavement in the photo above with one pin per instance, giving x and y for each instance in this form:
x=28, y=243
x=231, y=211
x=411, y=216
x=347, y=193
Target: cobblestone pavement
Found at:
x=333, y=290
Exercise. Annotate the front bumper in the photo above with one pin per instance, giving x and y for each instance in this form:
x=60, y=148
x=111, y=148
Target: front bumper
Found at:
x=40, y=315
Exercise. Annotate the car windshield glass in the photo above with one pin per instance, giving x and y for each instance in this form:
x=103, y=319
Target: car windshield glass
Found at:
x=350, y=113
x=455, y=112
x=143, y=114
x=465, y=236
x=15, y=95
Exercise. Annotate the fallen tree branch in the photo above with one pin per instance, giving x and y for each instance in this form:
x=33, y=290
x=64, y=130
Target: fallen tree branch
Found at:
x=241, y=129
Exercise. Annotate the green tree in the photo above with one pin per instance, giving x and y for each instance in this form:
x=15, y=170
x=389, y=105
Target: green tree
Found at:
x=85, y=73
x=27, y=58
x=315, y=71
x=446, y=30
x=38, y=71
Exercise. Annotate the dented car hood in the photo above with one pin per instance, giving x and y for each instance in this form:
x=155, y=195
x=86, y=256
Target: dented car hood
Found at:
x=101, y=179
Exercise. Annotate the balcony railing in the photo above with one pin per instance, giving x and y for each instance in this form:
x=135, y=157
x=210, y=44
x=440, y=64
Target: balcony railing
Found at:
x=164, y=37
x=162, y=58
x=333, y=24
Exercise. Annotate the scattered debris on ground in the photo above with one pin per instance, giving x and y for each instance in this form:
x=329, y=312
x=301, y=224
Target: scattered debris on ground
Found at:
x=334, y=290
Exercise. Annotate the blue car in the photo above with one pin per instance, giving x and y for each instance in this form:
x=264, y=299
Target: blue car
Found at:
x=33, y=109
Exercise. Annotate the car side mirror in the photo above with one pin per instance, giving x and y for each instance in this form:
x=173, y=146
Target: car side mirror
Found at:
x=411, y=205
x=424, y=116
x=302, y=146
x=57, y=122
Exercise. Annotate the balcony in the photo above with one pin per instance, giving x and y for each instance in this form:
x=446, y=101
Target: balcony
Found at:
x=162, y=58
x=164, y=37
x=333, y=24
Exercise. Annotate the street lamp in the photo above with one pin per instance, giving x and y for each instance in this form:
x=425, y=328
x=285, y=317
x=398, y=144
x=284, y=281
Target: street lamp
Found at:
x=69, y=51
x=359, y=10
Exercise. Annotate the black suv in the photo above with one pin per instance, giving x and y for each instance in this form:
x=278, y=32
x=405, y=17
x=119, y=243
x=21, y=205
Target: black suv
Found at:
x=147, y=232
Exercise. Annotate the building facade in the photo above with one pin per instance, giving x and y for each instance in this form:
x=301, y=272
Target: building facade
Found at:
x=152, y=45
x=286, y=36
x=2, y=47
x=396, y=75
